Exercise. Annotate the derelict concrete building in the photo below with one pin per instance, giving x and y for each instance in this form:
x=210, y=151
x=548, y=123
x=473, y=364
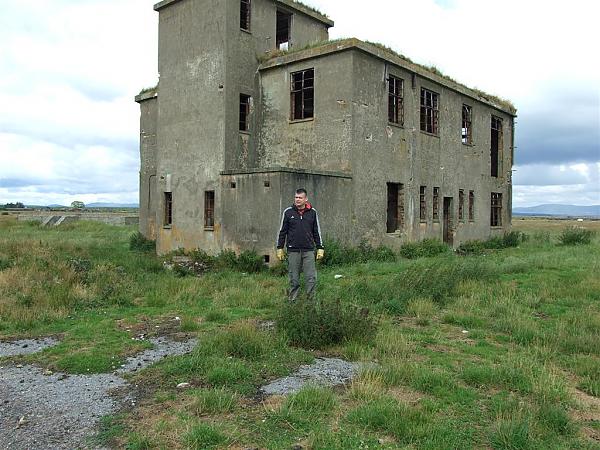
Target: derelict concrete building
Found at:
x=254, y=101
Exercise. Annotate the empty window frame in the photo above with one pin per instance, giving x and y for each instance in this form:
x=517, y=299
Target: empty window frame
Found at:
x=283, y=31
x=245, y=101
x=395, y=100
x=303, y=92
x=423, y=204
x=395, y=207
x=168, y=219
x=461, y=205
x=429, y=111
x=496, y=210
x=496, y=145
x=467, y=125
x=436, y=204
x=209, y=209
x=471, y=206
x=245, y=12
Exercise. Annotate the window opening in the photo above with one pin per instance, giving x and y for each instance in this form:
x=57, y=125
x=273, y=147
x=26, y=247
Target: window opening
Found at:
x=209, y=209
x=233, y=185
x=395, y=207
x=245, y=15
x=395, y=100
x=168, y=209
x=467, y=129
x=436, y=204
x=303, y=88
x=423, y=205
x=496, y=210
x=284, y=25
x=267, y=184
x=496, y=145
x=245, y=101
x=471, y=206
x=461, y=205
x=429, y=111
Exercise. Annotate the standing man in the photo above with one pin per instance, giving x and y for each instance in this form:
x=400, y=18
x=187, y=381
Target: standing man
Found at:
x=300, y=233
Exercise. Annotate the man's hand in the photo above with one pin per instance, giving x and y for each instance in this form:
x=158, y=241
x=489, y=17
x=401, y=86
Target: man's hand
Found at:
x=280, y=254
x=320, y=254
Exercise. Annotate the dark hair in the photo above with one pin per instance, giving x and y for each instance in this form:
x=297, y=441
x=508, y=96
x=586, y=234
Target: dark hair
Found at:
x=302, y=191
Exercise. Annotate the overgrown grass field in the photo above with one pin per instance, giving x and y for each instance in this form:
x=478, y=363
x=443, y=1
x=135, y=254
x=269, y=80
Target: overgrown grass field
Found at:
x=487, y=348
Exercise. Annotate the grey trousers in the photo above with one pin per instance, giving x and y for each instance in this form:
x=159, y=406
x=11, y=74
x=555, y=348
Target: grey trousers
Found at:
x=302, y=262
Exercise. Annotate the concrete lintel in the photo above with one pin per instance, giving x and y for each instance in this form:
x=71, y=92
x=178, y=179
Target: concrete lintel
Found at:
x=263, y=170
x=300, y=7
x=332, y=47
x=149, y=95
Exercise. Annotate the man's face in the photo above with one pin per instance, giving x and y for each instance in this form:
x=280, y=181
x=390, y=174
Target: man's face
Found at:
x=300, y=200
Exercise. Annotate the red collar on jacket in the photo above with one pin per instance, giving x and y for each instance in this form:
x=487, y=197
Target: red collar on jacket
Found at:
x=306, y=208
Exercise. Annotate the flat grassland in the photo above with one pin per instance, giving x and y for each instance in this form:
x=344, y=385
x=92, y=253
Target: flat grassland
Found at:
x=497, y=350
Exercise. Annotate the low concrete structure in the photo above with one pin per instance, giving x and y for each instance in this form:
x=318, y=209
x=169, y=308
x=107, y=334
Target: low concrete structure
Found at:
x=254, y=102
x=60, y=218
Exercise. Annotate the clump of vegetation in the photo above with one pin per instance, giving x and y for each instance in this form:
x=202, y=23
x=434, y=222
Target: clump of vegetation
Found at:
x=200, y=261
x=139, y=243
x=508, y=240
x=575, y=235
x=338, y=254
x=321, y=323
x=424, y=248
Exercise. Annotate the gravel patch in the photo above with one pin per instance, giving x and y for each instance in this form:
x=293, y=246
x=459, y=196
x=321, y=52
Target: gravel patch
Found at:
x=55, y=411
x=43, y=410
x=162, y=348
x=323, y=372
x=26, y=346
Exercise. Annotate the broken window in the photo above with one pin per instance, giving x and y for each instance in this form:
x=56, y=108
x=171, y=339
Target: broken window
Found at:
x=209, y=209
x=467, y=128
x=245, y=101
x=303, y=89
x=396, y=100
x=435, y=204
x=429, y=111
x=496, y=145
x=284, y=26
x=496, y=210
x=423, y=204
x=168, y=209
x=461, y=205
x=245, y=15
x=471, y=206
x=395, y=207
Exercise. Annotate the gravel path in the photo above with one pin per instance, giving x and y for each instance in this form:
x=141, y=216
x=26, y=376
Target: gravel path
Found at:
x=323, y=372
x=26, y=346
x=41, y=410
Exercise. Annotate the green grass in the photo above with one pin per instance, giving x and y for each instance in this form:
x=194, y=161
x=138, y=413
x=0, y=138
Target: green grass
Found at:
x=494, y=350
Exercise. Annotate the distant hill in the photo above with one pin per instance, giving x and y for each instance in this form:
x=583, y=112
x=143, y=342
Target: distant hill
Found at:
x=559, y=210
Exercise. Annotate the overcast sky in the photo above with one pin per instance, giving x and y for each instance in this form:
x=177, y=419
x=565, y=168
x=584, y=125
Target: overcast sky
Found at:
x=69, y=70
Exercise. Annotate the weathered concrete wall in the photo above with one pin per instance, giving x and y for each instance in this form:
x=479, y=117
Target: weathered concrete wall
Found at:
x=404, y=154
x=321, y=143
x=252, y=218
x=191, y=118
x=148, y=193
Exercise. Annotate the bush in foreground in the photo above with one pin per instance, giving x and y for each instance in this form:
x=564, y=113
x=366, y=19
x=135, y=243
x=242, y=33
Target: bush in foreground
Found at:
x=319, y=323
x=508, y=240
x=337, y=254
x=575, y=235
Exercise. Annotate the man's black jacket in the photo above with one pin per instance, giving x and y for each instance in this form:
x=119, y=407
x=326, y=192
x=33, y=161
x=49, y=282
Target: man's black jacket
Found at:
x=302, y=231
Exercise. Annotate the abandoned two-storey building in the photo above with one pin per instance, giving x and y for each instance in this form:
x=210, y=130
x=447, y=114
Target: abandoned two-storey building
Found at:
x=254, y=101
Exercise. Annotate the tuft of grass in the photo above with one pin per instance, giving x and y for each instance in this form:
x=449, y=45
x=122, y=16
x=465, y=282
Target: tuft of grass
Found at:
x=511, y=433
x=138, y=242
x=322, y=323
x=310, y=402
x=422, y=309
x=575, y=235
x=424, y=248
x=203, y=436
x=138, y=442
x=214, y=401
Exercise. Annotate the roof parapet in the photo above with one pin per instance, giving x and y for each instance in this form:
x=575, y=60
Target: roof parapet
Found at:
x=147, y=94
x=315, y=50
